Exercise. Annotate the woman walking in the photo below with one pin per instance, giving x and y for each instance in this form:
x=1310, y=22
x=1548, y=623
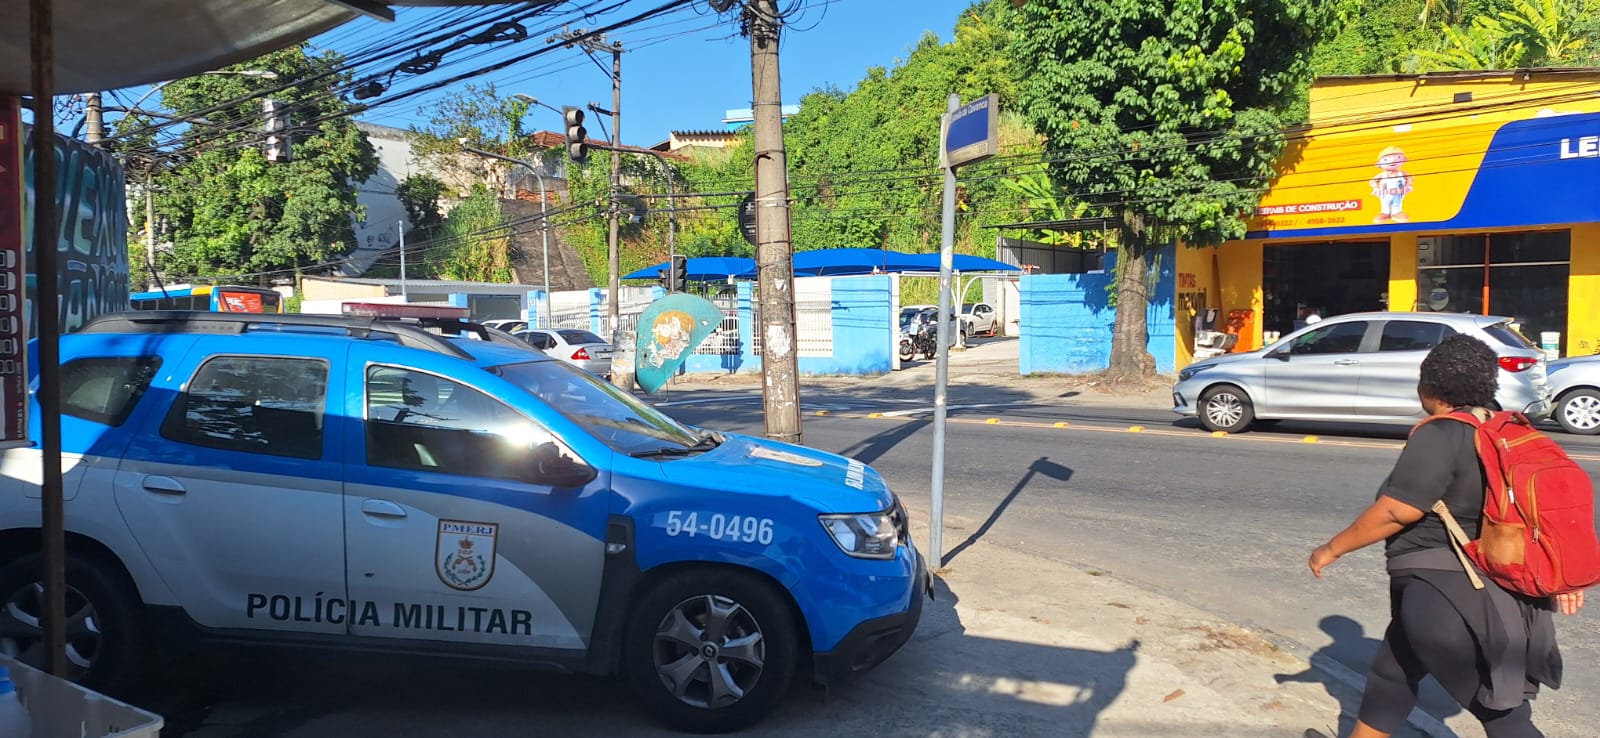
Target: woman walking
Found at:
x=1490, y=649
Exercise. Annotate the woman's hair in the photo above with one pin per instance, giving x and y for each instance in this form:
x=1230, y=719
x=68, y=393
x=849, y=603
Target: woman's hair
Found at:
x=1462, y=371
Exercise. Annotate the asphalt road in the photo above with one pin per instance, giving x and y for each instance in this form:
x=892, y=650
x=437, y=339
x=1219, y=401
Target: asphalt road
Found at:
x=1221, y=523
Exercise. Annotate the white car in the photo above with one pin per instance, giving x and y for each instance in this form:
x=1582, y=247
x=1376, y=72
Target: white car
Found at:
x=575, y=346
x=1575, y=383
x=976, y=318
x=507, y=325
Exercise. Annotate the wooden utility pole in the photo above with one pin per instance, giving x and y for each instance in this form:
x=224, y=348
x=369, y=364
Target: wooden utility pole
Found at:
x=780, y=387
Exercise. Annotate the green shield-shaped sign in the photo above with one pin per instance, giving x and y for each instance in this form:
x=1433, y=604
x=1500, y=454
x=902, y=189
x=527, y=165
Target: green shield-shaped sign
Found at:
x=669, y=331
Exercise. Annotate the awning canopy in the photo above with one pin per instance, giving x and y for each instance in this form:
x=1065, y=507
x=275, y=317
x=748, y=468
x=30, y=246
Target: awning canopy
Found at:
x=828, y=263
x=103, y=45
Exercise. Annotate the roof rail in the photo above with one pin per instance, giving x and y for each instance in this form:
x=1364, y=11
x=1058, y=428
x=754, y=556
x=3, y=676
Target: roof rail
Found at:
x=198, y=321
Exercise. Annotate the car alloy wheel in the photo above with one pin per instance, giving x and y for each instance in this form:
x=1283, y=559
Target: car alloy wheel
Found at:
x=1225, y=408
x=1579, y=412
x=22, y=628
x=709, y=651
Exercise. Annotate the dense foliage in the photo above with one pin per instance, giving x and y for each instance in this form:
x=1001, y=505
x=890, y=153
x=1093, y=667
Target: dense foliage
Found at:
x=1169, y=116
x=231, y=212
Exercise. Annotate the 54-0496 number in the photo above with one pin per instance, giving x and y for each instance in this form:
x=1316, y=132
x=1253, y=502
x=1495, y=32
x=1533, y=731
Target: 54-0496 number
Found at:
x=746, y=528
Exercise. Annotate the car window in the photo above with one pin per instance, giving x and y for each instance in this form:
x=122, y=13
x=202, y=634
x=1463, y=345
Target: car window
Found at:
x=420, y=421
x=574, y=336
x=1504, y=333
x=605, y=411
x=105, y=390
x=260, y=404
x=1412, y=335
x=1340, y=338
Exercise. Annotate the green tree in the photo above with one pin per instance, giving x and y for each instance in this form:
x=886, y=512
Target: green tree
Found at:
x=1168, y=114
x=231, y=211
x=419, y=194
x=481, y=117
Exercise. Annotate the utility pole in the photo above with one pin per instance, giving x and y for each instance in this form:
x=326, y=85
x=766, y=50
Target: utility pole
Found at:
x=591, y=44
x=401, y=228
x=780, y=387
x=95, y=130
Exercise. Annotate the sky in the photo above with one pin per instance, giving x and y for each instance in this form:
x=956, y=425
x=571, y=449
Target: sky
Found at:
x=688, y=67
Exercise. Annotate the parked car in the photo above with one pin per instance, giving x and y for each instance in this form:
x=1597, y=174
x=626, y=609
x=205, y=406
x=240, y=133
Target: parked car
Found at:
x=319, y=481
x=980, y=319
x=575, y=346
x=1575, y=385
x=507, y=325
x=1361, y=367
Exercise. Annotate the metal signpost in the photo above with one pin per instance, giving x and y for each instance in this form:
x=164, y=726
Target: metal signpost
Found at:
x=967, y=133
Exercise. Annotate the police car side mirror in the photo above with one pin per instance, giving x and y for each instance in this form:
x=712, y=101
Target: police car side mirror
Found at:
x=547, y=466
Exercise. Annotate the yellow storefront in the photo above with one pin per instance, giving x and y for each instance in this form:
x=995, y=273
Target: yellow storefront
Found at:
x=1472, y=192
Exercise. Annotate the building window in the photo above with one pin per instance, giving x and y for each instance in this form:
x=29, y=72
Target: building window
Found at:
x=1519, y=275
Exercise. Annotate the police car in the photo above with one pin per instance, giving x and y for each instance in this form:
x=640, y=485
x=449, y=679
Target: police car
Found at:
x=359, y=483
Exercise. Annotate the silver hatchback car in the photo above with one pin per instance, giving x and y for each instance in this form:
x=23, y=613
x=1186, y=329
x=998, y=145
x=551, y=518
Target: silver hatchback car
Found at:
x=1361, y=367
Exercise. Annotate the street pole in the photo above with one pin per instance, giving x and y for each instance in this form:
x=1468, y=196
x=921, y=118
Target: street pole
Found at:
x=613, y=245
x=150, y=223
x=544, y=237
x=46, y=240
x=774, y=252
x=941, y=372
x=401, y=227
x=95, y=132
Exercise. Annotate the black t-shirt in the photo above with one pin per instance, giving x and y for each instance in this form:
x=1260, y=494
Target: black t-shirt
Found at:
x=1439, y=462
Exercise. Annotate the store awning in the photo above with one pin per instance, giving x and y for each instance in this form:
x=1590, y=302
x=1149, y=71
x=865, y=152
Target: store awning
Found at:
x=103, y=45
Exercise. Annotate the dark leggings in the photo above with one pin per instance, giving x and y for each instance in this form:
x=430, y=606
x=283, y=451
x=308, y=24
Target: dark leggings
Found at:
x=1427, y=636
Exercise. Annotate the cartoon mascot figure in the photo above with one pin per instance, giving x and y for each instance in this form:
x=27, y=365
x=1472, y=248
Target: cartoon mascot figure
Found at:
x=1391, y=185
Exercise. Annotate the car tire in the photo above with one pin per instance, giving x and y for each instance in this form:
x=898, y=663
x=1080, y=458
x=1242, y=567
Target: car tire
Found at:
x=106, y=630
x=683, y=626
x=1578, y=412
x=1226, y=408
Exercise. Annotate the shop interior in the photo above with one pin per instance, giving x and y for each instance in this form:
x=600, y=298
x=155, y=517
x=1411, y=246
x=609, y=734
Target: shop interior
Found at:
x=1326, y=278
x=1522, y=276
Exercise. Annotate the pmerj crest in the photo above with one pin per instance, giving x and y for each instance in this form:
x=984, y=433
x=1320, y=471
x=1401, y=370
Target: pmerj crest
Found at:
x=465, y=553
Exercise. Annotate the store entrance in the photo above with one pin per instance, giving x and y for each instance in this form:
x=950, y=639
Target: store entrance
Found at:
x=1330, y=278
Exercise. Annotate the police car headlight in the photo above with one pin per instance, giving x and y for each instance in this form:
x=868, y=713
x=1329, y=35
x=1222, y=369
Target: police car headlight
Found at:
x=865, y=536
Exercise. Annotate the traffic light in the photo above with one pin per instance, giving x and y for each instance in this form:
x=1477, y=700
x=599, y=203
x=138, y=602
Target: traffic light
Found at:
x=678, y=277
x=662, y=278
x=577, y=135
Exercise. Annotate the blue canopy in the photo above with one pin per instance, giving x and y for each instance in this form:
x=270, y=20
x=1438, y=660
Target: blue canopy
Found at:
x=704, y=269
x=836, y=262
x=829, y=263
x=962, y=263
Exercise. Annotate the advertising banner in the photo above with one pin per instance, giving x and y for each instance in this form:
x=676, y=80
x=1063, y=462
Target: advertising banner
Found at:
x=13, y=320
x=1470, y=173
x=669, y=331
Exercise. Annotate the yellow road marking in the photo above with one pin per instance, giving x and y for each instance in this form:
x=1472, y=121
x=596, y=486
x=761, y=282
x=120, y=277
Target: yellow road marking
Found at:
x=992, y=421
x=1135, y=429
x=1219, y=434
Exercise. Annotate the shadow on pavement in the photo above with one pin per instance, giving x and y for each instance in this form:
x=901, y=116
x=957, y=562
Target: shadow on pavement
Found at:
x=1349, y=636
x=874, y=447
x=948, y=680
x=1040, y=467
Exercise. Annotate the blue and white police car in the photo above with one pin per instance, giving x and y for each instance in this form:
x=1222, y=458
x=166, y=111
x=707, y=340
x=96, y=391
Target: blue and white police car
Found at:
x=371, y=484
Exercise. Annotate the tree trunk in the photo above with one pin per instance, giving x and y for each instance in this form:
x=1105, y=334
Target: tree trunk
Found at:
x=1130, y=357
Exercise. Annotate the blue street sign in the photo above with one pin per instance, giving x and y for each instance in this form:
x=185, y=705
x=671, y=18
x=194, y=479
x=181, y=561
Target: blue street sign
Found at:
x=971, y=133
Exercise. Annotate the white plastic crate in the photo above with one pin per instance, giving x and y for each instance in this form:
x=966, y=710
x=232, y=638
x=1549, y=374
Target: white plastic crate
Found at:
x=58, y=708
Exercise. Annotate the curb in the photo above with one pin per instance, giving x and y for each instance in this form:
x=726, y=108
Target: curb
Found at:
x=1424, y=723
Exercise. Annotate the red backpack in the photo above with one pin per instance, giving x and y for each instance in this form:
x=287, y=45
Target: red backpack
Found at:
x=1538, y=536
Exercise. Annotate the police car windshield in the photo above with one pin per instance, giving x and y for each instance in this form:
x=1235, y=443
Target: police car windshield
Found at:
x=614, y=417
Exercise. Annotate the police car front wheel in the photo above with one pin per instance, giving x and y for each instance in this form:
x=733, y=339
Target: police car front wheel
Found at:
x=711, y=651
x=104, y=629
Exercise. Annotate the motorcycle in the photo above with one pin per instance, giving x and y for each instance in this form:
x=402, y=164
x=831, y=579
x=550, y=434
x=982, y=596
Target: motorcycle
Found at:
x=916, y=339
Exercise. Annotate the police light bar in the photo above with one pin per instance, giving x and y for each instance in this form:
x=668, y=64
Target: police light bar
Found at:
x=384, y=310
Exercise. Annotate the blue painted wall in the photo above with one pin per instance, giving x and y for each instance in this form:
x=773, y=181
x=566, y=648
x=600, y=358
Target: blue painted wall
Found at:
x=1066, y=321
x=863, y=333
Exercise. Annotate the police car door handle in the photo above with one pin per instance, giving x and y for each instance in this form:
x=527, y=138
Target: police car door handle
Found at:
x=382, y=509
x=164, y=486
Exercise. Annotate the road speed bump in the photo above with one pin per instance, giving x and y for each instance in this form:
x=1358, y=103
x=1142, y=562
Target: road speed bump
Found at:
x=874, y=415
x=992, y=421
x=1311, y=439
x=1219, y=434
x=822, y=412
x=1062, y=424
x=1135, y=429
